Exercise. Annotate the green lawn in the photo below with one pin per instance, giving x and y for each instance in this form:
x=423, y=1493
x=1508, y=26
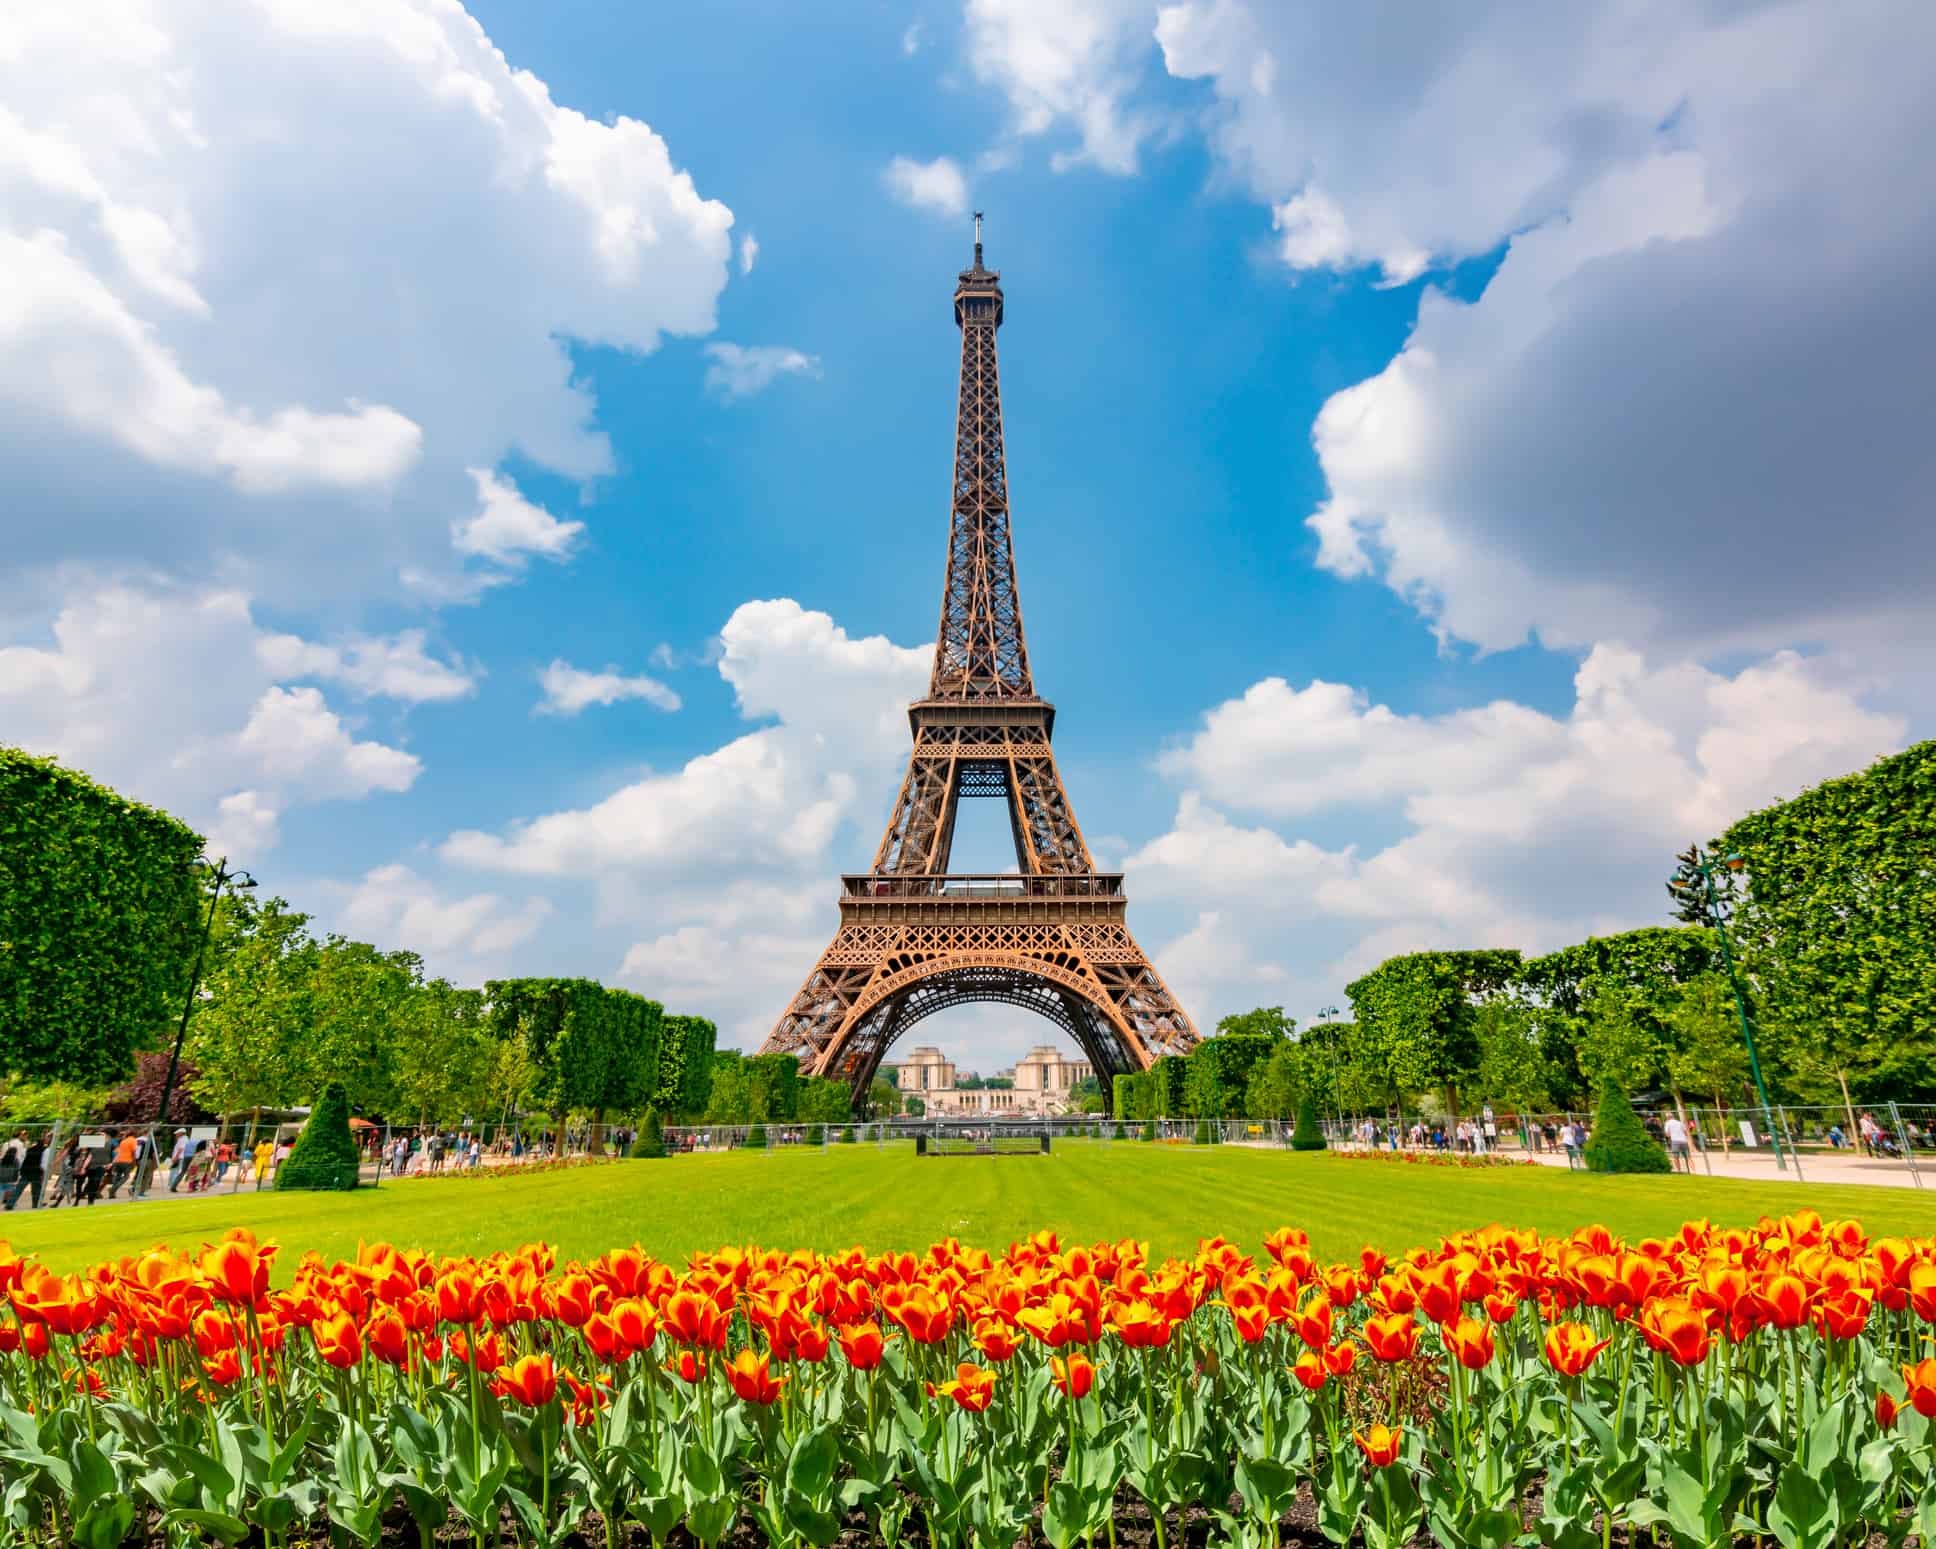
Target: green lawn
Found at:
x=886, y=1198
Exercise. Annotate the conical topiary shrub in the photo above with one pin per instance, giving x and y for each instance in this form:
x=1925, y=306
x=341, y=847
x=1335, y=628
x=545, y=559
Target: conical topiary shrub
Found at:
x=1307, y=1136
x=651, y=1141
x=1202, y=1137
x=1120, y=1134
x=847, y=1136
x=324, y=1155
x=1618, y=1144
x=1149, y=1129
x=755, y=1138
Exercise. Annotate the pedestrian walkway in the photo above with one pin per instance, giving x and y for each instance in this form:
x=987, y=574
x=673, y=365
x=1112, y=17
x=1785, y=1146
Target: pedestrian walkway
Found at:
x=1816, y=1167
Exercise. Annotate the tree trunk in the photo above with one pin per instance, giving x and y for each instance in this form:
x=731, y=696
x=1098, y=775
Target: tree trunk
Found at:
x=1847, y=1107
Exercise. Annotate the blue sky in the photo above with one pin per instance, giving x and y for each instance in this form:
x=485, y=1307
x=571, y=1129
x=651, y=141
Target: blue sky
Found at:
x=1423, y=440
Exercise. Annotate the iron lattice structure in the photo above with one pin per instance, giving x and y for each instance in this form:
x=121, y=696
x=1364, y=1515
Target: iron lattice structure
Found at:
x=915, y=938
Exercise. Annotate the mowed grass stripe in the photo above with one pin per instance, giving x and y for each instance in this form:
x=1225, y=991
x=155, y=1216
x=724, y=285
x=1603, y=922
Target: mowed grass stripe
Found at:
x=887, y=1198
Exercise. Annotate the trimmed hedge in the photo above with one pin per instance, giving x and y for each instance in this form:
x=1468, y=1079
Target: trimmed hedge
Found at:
x=651, y=1142
x=1618, y=1143
x=590, y=1047
x=755, y=1138
x=100, y=912
x=324, y=1155
x=1307, y=1136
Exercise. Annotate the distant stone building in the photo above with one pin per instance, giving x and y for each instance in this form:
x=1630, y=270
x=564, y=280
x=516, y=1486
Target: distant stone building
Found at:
x=1044, y=1079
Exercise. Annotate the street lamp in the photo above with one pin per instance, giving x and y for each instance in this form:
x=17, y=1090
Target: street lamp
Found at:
x=1331, y=1047
x=1702, y=899
x=219, y=877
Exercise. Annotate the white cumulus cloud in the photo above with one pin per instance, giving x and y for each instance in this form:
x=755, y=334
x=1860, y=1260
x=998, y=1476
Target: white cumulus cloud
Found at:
x=740, y=370
x=1515, y=828
x=506, y=527
x=928, y=185
x=180, y=700
x=569, y=690
x=248, y=314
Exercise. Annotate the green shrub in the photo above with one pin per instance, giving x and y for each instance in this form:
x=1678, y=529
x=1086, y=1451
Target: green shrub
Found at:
x=1202, y=1137
x=1307, y=1136
x=651, y=1140
x=1118, y=1133
x=1618, y=1144
x=1149, y=1129
x=324, y=1155
x=755, y=1138
x=847, y=1136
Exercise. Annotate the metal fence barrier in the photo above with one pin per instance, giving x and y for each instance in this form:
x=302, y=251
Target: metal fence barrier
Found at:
x=81, y=1164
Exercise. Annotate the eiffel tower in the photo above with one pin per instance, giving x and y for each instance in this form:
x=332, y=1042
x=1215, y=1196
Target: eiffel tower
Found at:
x=915, y=938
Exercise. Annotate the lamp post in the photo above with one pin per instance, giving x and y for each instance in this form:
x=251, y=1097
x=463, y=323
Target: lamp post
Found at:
x=1705, y=899
x=222, y=877
x=1331, y=1047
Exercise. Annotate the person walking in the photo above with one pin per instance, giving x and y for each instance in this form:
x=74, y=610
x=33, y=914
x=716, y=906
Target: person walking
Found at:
x=1679, y=1151
x=124, y=1157
x=32, y=1175
x=1575, y=1141
x=70, y=1175
x=178, y=1157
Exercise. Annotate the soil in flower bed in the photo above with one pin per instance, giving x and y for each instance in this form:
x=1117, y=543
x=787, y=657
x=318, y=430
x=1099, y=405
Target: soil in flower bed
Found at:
x=1197, y=1530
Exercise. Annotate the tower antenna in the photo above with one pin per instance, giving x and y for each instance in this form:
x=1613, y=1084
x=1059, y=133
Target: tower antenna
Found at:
x=978, y=239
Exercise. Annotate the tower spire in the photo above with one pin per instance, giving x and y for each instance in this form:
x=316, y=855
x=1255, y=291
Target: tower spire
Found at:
x=979, y=651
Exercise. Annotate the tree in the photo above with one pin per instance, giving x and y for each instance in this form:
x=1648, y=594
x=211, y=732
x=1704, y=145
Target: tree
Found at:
x=324, y=1155
x=1711, y=1059
x=1275, y=1085
x=823, y=1100
x=729, y=1102
x=444, y=1057
x=1416, y=1017
x=100, y=914
x=140, y=1099
x=1631, y=980
x=251, y=1037
x=883, y=1099
x=915, y=1108
x=1166, y=1077
x=773, y=1087
x=591, y=1048
x=1621, y=1041
x=684, y=1081
x=1512, y=1067
x=508, y=1076
x=356, y=999
x=1836, y=930
x=1618, y=1143
x=1263, y=1022
x=651, y=1141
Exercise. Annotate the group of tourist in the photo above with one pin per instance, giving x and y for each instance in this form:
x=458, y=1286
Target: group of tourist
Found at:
x=48, y=1173
x=415, y=1153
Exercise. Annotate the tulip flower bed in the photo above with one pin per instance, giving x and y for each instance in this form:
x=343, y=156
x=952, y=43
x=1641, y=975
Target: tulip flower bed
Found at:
x=1710, y=1388
x=1436, y=1158
x=520, y=1169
